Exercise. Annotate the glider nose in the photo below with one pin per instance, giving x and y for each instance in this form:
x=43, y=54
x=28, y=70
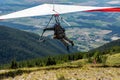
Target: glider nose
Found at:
x=56, y=15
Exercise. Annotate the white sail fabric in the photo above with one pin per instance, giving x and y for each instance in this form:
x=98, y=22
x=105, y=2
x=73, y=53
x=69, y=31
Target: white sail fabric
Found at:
x=47, y=9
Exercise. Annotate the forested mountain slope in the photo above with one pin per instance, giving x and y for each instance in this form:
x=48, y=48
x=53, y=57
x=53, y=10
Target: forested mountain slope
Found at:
x=22, y=45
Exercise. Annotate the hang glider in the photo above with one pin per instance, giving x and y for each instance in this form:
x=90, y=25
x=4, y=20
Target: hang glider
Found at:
x=49, y=9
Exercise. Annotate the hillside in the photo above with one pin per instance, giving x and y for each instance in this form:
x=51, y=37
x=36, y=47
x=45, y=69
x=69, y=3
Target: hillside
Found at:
x=99, y=54
x=71, y=67
x=21, y=45
x=75, y=70
x=113, y=46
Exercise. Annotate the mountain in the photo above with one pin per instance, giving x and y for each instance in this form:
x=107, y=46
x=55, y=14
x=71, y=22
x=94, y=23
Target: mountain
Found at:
x=60, y=67
x=109, y=48
x=21, y=45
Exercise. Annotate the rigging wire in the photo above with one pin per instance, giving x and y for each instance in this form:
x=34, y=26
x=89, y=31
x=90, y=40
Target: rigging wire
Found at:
x=53, y=4
x=57, y=13
x=41, y=39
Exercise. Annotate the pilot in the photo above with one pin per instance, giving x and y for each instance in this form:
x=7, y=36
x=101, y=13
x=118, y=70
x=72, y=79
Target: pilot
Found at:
x=59, y=33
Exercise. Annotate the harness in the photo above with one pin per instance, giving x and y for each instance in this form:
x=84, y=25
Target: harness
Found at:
x=59, y=33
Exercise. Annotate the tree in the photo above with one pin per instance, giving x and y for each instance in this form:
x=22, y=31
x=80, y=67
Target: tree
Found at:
x=51, y=61
x=14, y=64
x=97, y=57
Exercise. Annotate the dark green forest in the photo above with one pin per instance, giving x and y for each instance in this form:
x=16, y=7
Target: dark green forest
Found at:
x=112, y=47
x=96, y=54
x=21, y=45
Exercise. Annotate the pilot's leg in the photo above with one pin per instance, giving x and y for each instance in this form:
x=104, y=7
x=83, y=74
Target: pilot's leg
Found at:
x=65, y=43
x=69, y=41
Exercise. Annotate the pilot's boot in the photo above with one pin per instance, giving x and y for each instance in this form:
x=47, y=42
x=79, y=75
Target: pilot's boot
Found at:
x=72, y=43
x=69, y=41
x=68, y=48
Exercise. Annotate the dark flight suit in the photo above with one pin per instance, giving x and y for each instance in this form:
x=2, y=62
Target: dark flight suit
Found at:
x=59, y=33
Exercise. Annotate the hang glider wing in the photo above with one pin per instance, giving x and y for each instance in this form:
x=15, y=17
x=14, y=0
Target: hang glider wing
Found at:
x=47, y=9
